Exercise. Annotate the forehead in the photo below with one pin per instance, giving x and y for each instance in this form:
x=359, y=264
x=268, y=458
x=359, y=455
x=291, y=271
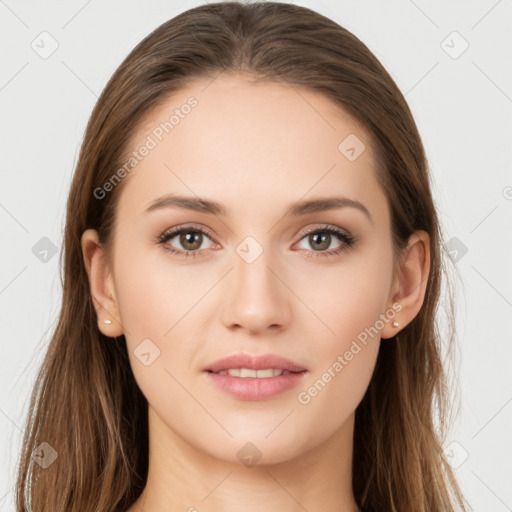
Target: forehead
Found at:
x=246, y=141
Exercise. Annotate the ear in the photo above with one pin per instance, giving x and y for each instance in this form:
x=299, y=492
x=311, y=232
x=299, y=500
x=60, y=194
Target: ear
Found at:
x=410, y=282
x=101, y=285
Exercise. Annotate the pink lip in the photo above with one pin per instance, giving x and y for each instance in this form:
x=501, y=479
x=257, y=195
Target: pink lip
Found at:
x=255, y=388
x=255, y=363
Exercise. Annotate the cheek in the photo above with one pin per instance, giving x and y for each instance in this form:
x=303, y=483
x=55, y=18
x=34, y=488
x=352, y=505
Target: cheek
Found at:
x=153, y=294
x=157, y=302
x=153, y=308
x=345, y=299
x=349, y=302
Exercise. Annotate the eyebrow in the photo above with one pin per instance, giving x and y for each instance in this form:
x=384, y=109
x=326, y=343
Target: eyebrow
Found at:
x=297, y=209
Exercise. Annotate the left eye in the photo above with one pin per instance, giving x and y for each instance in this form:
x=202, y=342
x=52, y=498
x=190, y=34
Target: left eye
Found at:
x=321, y=239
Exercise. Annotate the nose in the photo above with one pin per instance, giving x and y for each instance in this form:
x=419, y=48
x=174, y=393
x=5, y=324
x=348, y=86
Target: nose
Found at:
x=257, y=299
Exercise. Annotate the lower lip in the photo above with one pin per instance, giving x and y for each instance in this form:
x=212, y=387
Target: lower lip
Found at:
x=252, y=388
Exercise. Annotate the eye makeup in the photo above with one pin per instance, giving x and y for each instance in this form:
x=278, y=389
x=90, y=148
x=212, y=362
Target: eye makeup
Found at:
x=347, y=240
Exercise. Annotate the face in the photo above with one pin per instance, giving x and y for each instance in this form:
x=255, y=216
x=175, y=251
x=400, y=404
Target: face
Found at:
x=254, y=276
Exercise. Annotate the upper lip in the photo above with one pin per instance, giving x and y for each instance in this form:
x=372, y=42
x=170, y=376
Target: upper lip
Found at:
x=261, y=362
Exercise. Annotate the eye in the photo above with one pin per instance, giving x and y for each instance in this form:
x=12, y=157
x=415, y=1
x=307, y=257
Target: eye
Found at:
x=321, y=239
x=189, y=237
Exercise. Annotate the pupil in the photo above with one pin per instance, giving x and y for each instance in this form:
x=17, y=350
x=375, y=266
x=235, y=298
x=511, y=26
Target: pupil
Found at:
x=322, y=238
x=188, y=238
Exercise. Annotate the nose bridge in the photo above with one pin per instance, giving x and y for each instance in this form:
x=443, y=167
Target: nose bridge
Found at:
x=256, y=298
x=251, y=271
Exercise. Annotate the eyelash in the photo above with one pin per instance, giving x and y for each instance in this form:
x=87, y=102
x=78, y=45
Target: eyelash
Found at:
x=347, y=239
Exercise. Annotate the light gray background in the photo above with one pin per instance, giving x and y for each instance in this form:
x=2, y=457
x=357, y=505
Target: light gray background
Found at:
x=463, y=108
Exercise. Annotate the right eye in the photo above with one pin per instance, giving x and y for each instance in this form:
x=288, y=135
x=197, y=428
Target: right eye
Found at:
x=190, y=238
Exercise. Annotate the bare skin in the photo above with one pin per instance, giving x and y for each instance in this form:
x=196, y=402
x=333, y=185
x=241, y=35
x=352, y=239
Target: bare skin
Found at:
x=256, y=149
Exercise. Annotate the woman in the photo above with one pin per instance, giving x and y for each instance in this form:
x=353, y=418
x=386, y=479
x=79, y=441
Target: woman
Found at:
x=252, y=267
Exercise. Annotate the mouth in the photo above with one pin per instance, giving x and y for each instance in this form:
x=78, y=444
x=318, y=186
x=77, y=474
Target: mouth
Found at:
x=249, y=377
x=248, y=362
x=249, y=373
x=255, y=388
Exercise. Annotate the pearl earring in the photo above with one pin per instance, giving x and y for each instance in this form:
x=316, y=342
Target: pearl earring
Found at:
x=108, y=322
x=395, y=323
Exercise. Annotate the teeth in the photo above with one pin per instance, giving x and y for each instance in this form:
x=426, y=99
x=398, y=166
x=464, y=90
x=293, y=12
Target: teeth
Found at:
x=249, y=373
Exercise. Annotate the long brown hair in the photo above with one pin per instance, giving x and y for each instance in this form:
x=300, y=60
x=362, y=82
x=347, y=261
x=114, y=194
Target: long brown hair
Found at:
x=86, y=404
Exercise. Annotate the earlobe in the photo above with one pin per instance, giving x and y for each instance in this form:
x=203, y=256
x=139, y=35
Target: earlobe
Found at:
x=101, y=285
x=410, y=282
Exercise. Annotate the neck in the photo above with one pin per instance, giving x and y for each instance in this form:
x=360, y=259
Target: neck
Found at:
x=181, y=477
